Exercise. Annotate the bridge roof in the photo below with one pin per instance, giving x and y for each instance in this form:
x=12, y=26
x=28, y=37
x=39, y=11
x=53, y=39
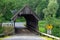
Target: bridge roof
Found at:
x=26, y=10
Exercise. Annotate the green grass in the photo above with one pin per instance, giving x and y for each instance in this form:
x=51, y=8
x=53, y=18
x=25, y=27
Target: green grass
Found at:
x=41, y=29
x=41, y=25
x=0, y=38
x=47, y=38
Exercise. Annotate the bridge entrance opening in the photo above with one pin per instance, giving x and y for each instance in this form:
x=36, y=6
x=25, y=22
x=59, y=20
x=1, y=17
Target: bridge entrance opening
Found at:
x=20, y=24
x=30, y=18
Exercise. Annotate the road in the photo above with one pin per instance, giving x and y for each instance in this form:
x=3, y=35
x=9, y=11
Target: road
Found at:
x=24, y=38
x=24, y=34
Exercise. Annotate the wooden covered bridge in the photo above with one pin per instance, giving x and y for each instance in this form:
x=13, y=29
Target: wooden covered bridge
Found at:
x=30, y=17
x=31, y=25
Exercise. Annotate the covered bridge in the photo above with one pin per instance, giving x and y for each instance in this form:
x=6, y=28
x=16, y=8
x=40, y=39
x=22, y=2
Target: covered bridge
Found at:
x=29, y=15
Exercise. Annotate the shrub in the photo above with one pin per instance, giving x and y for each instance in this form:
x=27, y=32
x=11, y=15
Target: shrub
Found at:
x=1, y=30
x=41, y=25
x=56, y=28
x=8, y=29
x=56, y=31
x=41, y=29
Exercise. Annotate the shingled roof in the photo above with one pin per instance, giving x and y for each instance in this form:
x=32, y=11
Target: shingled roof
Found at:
x=25, y=10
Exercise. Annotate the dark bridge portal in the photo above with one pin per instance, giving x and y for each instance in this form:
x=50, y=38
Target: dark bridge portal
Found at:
x=30, y=16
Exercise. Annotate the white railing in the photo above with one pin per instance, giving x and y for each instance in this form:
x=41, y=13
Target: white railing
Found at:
x=47, y=35
x=53, y=37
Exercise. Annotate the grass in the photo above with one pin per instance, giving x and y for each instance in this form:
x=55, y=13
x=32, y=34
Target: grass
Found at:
x=41, y=25
x=41, y=29
x=4, y=37
x=47, y=38
x=0, y=38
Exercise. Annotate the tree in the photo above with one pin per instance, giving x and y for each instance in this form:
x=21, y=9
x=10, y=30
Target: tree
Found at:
x=41, y=5
x=5, y=7
x=50, y=16
x=58, y=12
x=50, y=11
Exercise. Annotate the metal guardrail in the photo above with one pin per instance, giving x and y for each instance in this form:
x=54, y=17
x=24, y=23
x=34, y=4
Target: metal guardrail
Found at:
x=53, y=37
x=50, y=36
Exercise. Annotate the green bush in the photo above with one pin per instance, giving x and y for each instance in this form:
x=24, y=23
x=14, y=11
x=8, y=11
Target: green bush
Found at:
x=41, y=29
x=56, y=28
x=1, y=30
x=56, y=31
x=41, y=25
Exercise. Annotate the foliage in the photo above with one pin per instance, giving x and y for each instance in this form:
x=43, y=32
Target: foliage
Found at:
x=56, y=27
x=5, y=7
x=42, y=4
x=41, y=25
x=55, y=30
x=41, y=29
x=50, y=11
x=50, y=16
x=47, y=9
x=58, y=12
x=1, y=30
x=8, y=30
x=21, y=19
